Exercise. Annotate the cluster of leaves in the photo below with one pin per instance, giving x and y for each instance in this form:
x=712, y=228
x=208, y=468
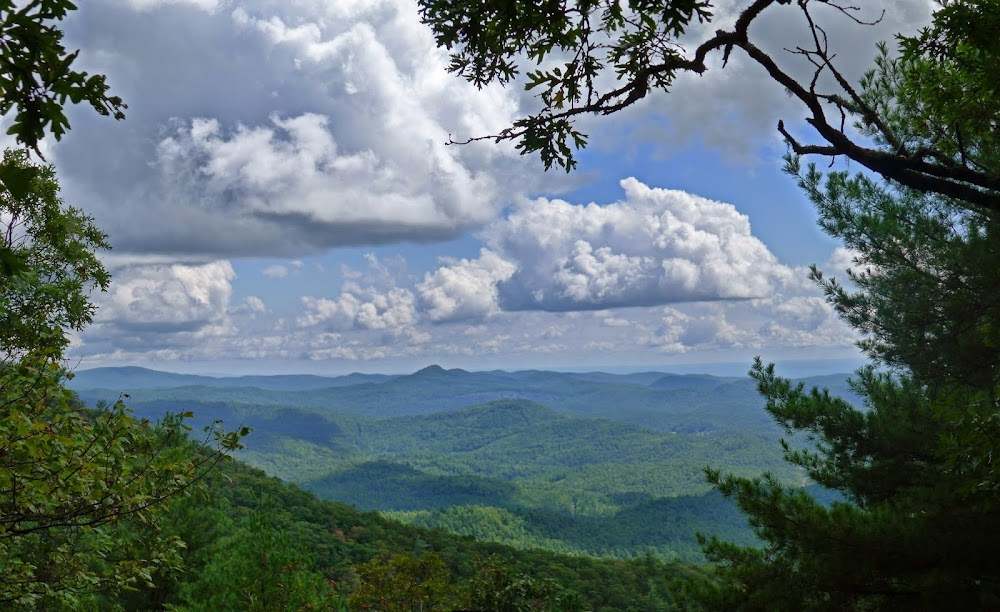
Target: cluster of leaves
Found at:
x=948, y=85
x=48, y=260
x=574, y=42
x=36, y=75
x=69, y=477
x=405, y=582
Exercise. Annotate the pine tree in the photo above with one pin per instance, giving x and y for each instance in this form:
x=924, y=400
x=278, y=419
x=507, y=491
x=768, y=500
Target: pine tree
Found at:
x=915, y=528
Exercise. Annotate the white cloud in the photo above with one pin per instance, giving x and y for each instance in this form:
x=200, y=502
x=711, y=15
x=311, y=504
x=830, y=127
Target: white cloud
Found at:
x=603, y=291
x=253, y=305
x=655, y=247
x=278, y=271
x=361, y=309
x=209, y=6
x=168, y=298
x=803, y=312
x=465, y=289
x=800, y=321
x=293, y=169
x=275, y=271
x=322, y=124
x=680, y=332
x=615, y=322
x=841, y=260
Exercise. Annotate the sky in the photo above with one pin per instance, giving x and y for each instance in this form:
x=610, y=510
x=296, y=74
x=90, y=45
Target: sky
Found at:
x=281, y=197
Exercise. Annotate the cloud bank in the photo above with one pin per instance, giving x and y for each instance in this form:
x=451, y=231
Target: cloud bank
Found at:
x=280, y=129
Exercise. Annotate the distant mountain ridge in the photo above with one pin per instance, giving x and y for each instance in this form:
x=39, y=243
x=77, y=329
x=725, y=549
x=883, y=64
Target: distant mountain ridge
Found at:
x=146, y=378
x=133, y=377
x=658, y=400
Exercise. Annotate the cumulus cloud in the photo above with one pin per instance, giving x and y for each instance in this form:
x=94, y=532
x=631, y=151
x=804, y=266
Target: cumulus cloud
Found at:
x=680, y=332
x=800, y=321
x=167, y=312
x=278, y=271
x=841, y=260
x=556, y=278
x=253, y=305
x=656, y=275
x=209, y=6
x=168, y=298
x=361, y=309
x=465, y=289
x=322, y=124
x=655, y=247
x=293, y=171
x=807, y=312
x=615, y=322
x=275, y=271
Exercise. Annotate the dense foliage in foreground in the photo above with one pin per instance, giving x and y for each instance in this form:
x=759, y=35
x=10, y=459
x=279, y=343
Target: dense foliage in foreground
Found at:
x=254, y=543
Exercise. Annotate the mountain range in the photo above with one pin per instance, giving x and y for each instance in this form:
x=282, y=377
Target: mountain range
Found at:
x=595, y=463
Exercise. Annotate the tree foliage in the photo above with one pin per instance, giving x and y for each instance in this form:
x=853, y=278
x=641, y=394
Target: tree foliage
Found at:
x=69, y=477
x=499, y=586
x=36, y=75
x=404, y=582
x=915, y=465
x=905, y=534
x=48, y=260
x=600, y=56
x=259, y=568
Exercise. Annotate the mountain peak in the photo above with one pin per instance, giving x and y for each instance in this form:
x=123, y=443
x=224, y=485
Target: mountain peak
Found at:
x=434, y=370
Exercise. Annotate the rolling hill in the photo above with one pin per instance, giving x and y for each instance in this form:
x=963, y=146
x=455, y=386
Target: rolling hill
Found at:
x=590, y=463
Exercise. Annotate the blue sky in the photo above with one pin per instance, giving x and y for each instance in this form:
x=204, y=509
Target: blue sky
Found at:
x=280, y=197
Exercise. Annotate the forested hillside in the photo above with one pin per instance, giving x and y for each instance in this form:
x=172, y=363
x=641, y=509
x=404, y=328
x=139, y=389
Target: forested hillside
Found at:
x=514, y=471
x=510, y=470
x=655, y=400
x=256, y=543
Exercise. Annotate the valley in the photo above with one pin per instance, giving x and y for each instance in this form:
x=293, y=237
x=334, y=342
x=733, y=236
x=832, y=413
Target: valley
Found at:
x=598, y=464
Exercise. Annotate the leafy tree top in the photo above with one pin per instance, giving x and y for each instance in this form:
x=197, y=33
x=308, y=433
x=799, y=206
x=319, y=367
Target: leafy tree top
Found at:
x=48, y=259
